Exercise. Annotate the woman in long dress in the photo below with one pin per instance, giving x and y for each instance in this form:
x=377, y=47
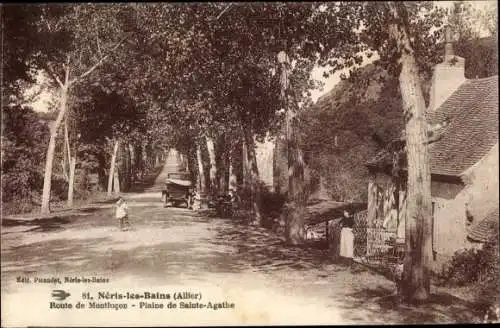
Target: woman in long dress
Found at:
x=347, y=236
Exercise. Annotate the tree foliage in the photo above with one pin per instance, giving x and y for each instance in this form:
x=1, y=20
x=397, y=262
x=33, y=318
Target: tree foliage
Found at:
x=336, y=145
x=20, y=43
x=23, y=137
x=22, y=132
x=169, y=74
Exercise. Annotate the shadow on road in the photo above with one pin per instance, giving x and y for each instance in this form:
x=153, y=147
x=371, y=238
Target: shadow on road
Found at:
x=441, y=307
x=176, y=244
x=111, y=200
x=43, y=222
x=259, y=249
x=51, y=222
x=265, y=251
x=63, y=255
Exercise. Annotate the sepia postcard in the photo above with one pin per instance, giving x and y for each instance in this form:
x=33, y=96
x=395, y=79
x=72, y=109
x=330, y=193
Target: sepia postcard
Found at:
x=249, y=163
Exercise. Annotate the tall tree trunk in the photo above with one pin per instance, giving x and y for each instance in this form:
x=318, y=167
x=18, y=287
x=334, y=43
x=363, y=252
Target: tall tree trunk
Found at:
x=201, y=171
x=224, y=165
x=233, y=179
x=133, y=163
x=182, y=161
x=125, y=177
x=140, y=160
x=233, y=166
x=190, y=160
x=71, y=185
x=116, y=181
x=71, y=163
x=144, y=154
x=111, y=175
x=294, y=224
x=223, y=179
x=128, y=179
x=67, y=152
x=49, y=158
x=416, y=279
x=213, y=165
x=254, y=177
x=246, y=164
x=187, y=166
x=295, y=232
x=84, y=184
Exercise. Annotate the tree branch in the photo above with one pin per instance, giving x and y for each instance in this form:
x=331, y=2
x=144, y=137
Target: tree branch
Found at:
x=66, y=72
x=52, y=74
x=47, y=23
x=90, y=70
x=223, y=11
x=98, y=46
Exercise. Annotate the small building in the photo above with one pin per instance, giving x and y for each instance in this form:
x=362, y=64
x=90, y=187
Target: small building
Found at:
x=463, y=146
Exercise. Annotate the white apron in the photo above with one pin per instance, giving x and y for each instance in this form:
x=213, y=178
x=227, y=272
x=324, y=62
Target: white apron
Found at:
x=347, y=243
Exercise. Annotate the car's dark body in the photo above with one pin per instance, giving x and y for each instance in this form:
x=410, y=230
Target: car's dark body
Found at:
x=177, y=189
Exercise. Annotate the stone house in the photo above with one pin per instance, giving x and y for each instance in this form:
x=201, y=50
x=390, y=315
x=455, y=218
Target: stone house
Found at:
x=462, y=121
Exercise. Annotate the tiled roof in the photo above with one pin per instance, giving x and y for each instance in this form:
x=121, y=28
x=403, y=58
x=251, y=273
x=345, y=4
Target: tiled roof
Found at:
x=486, y=229
x=471, y=113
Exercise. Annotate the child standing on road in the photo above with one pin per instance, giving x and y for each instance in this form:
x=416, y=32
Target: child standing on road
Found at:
x=122, y=213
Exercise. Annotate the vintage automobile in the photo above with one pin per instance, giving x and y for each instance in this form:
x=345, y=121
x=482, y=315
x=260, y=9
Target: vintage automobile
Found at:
x=177, y=190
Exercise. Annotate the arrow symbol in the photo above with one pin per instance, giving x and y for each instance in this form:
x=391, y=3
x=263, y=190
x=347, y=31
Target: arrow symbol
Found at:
x=60, y=295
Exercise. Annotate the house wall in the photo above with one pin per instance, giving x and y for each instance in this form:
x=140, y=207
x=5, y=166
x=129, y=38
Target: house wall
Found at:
x=483, y=179
x=480, y=193
x=479, y=190
x=386, y=215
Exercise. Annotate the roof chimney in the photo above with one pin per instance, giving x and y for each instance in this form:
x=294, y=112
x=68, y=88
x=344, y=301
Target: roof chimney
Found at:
x=448, y=75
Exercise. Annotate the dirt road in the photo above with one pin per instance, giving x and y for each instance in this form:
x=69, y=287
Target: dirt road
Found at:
x=175, y=249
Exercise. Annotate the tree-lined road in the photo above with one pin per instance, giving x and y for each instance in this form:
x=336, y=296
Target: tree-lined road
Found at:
x=175, y=248
x=131, y=80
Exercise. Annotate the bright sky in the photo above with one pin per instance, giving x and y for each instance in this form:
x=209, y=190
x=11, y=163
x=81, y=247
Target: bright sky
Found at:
x=41, y=104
